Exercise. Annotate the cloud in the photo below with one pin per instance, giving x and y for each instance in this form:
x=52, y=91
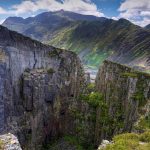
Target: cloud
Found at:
x=33, y=6
x=137, y=11
x=3, y=11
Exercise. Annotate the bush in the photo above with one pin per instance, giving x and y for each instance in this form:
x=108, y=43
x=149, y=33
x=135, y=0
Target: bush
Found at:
x=94, y=99
x=130, y=141
x=126, y=136
x=145, y=137
x=91, y=87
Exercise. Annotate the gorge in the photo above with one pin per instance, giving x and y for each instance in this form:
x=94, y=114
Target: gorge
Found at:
x=45, y=99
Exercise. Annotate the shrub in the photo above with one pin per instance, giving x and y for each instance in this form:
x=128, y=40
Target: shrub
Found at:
x=94, y=99
x=91, y=87
x=143, y=123
x=145, y=137
x=50, y=71
x=130, y=141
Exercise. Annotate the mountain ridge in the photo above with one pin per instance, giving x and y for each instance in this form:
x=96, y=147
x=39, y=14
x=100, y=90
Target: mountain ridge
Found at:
x=94, y=39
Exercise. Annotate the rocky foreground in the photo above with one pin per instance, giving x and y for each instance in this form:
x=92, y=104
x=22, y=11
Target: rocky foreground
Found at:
x=9, y=142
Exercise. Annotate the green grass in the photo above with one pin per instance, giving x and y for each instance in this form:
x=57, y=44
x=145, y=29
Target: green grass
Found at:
x=129, y=74
x=130, y=141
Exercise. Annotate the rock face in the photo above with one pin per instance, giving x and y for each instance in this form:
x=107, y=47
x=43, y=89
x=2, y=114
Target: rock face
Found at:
x=36, y=83
x=127, y=94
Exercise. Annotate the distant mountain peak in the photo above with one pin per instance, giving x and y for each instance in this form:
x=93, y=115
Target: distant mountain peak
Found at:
x=147, y=27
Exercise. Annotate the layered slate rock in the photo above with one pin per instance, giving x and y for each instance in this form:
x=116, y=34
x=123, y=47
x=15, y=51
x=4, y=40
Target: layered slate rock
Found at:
x=36, y=82
x=127, y=94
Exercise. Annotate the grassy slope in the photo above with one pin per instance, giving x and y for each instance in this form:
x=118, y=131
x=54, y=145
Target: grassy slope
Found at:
x=95, y=41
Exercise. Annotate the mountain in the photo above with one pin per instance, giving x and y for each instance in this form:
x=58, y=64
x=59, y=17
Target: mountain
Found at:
x=43, y=26
x=147, y=27
x=93, y=39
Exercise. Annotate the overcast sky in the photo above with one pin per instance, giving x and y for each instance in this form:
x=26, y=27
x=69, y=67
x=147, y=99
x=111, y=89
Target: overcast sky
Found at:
x=137, y=11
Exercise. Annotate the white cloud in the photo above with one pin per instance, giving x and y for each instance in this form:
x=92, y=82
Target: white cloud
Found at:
x=30, y=7
x=115, y=18
x=137, y=11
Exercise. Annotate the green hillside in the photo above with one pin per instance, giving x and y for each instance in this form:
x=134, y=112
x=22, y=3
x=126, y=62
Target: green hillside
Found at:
x=95, y=41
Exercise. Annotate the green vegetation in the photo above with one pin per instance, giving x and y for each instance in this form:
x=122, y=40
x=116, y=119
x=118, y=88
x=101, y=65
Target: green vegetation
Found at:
x=95, y=41
x=91, y=87
x=143, y=124
x=1, y=145
x=139, y=95
x=130, y=141
x=53, y=53
x=129, y=74
x=72, y=140
x=78, y=143
x=145, y=137
x=50, y=71
x=94, y=99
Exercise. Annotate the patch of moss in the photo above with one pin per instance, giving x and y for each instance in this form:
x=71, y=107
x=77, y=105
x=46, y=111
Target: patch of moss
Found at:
x=139, y=95
x=53, y=53
x=129, y=74
x=1, y=145
x=2, y=55
x=50, y=71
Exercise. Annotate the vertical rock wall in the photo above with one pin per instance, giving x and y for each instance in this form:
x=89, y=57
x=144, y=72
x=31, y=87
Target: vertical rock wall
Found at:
x=37, y=82
x=126, y=93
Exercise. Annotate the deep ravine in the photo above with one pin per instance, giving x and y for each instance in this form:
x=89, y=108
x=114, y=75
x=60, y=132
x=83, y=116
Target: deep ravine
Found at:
x=45, y=96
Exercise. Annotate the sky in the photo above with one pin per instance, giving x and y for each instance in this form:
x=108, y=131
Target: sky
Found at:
x=137, y=11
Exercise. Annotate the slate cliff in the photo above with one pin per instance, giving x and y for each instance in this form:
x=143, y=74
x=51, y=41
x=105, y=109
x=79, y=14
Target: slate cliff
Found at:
x=127, y=95
x=44, y=95
x=36, y=84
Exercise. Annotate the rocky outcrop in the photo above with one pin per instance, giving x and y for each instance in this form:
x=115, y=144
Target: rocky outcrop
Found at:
x=10, y=142
x=127, y=94
x=37, y=83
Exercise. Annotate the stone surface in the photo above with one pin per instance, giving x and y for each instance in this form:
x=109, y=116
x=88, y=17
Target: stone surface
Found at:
x=10, y=142
x=103, y=144
x=37, y=82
